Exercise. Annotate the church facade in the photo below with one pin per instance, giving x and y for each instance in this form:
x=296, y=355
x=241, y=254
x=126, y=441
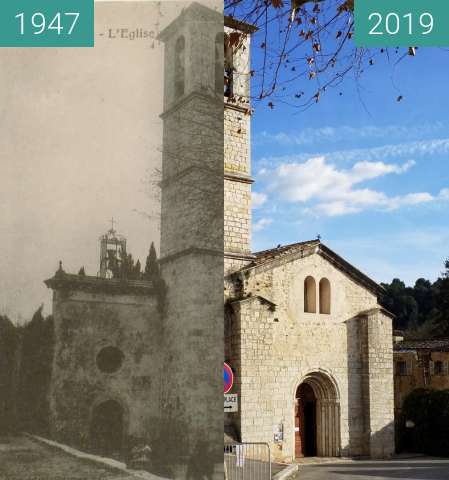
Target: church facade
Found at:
x=310, y=346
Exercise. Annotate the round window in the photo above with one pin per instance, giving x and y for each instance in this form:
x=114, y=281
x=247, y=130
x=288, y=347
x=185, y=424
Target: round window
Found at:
x=109, y=359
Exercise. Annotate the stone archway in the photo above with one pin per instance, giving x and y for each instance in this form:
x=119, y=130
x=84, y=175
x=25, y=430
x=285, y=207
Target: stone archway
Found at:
x=106, y=428
x=317, y=417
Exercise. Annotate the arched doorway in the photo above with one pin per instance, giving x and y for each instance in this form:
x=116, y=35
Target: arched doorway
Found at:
x=317, y=417
x=106, y=432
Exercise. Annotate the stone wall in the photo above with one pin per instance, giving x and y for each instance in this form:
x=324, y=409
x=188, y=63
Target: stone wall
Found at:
x=377, y=383
x=275, y=348
x=84, y=324
x=419, y=373
x=192, y=244
x=237, y=162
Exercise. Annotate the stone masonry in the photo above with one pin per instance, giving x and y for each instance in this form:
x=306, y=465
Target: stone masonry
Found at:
x=275, y=343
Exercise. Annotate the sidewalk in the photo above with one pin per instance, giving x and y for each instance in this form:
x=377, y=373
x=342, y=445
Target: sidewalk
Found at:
x=283, y=471
x=106, y=462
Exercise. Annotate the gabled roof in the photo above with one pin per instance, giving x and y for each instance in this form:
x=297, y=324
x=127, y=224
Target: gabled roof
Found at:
x=281, y=251
x=192, y=12
x=262, y=300
x=315, y=246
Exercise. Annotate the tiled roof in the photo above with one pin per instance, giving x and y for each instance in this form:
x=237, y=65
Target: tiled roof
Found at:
x=279, y=252
x=436, y=345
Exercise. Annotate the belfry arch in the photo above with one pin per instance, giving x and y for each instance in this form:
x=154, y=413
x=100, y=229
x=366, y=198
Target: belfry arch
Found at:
x=317, y=416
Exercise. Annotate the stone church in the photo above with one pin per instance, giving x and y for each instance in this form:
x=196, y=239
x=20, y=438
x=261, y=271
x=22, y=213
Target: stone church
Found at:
x=142, y=360
x=310, y=346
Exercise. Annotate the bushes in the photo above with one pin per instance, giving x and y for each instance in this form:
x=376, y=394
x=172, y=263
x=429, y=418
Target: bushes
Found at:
x=429, y=411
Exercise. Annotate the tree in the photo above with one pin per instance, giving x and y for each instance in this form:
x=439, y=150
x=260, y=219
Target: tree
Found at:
x=82, y=272
x=9, y=348
x=399, y=300
x=125, y=268
x=137, y=271
x=424, y=295
x=423, y=311
x=35, y=373
x=441, y=291
x=306, y=48
x=152, y=264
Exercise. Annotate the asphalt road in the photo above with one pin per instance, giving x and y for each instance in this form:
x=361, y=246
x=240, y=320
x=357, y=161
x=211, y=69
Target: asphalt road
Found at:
x=413, y=469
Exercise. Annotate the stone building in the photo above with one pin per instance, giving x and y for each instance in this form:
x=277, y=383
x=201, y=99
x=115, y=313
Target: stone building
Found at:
x=310, y=346
x=419, y=364
x=106, y=365
x=143, y=359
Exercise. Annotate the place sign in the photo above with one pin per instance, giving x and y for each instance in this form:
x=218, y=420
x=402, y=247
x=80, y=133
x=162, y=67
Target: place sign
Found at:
x=231, y=403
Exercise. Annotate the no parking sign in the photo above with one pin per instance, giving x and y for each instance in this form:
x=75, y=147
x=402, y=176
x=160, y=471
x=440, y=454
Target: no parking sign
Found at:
x=228, y=378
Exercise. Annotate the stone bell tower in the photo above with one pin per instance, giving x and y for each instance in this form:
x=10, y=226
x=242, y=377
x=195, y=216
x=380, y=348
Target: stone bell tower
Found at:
x=237, y=155
x=192, y=237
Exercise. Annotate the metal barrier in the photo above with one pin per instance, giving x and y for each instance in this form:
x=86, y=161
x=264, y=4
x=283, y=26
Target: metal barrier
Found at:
x=247, y=461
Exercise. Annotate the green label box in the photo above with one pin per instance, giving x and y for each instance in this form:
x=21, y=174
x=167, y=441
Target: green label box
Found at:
x=46, y=23
x=401, y=23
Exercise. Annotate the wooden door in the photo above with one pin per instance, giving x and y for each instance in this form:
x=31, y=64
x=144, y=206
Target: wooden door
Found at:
x=299, y=417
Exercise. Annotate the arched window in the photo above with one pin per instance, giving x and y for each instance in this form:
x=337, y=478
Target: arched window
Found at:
x=228, y=68
x=325, y=296
x=310, y=295
x=180, y=48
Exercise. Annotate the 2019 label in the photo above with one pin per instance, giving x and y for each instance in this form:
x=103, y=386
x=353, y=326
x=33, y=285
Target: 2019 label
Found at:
x=402, y=23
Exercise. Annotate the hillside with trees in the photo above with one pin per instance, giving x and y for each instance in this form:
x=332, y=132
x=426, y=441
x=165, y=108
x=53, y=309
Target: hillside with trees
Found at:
x=422, y=311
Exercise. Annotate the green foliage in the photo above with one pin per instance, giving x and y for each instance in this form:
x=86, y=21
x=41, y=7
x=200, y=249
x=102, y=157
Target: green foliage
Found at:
x=152, y=265
x=35, y=374
x=422, y=310
x=429, y=411
x=127, y=269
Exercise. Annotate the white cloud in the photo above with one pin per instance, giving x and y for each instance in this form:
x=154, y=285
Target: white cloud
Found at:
x=329, y=191
x=444, y=194
x=374, y=154
x=362, y=171
x=261, y=224
x=258, y=199
x=310, y=136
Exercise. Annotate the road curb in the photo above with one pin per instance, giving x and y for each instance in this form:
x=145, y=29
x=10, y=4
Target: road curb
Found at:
x=103, y=461
x=287, y=472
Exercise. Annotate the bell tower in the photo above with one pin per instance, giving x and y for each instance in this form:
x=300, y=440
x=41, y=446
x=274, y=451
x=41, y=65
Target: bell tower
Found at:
x=237, y=153
x=192, y=253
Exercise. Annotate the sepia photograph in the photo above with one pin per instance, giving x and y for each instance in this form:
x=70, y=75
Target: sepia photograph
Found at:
x=258, y=186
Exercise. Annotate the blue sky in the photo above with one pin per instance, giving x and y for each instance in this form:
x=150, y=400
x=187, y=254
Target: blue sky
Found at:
x=366, y=172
